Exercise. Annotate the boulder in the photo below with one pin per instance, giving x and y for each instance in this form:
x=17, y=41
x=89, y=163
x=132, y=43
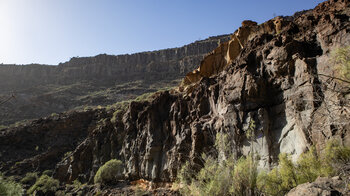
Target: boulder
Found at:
x=321, y=187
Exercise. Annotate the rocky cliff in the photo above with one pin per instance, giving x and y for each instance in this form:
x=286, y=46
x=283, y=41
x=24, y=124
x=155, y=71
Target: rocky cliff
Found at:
x=40, y=90
x=276, y=81
x=283, y=81
x=110, y=69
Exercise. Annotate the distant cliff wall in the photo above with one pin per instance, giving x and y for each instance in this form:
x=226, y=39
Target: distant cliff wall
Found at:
x=109, y=69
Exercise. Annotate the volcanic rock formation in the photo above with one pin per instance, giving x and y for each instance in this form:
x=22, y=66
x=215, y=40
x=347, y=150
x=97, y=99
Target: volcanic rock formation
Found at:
x=276, y=80
x=227, y=52
x=282, y=80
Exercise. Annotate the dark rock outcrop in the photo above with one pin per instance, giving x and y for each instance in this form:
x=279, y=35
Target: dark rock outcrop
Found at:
x=281, y=81
x=38, y=146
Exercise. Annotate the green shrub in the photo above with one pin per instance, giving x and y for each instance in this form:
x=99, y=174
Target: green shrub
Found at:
x=185, y=174
x=30, y=178
x=335, y=156
x=219, y=177
x=214, y=178
x=230, y=177
x=119, y=109
x=44, y=184
x=245, y=177
x=110, y=172
x=9, y=187
x=47, y=172
x=54, y=115
x=283, y=178
x=76, y=185
x=309, y=166
x=60, y=193
x=341, y=59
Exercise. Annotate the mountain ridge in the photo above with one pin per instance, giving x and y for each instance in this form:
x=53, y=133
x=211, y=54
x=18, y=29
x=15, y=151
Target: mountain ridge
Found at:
x=43, y=89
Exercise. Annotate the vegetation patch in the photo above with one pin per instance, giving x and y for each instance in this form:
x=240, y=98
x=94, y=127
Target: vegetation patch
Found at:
x=45, y=185
x=309, y=166
x=10, y=187
x=219, y=177
x=110, y=172
x=121, y=107
x=341, y=59
x=30, y=178
x=48, y=172
x=241, y=177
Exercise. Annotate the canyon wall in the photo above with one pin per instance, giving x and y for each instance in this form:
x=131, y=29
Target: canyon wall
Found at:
x=278, y=81
x=110, y=69
x=283, y=82
x=40, y=90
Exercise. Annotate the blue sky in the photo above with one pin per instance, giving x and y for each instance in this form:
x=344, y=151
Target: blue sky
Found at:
x=53, y=31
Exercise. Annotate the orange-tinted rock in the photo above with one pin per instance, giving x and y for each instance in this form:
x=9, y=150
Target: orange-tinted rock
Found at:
x=224, y=54
x=248, y=23
x=227, y=52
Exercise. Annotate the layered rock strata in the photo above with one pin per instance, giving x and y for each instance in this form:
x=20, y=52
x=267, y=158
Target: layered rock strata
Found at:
x=39, y=90
x=110, y=69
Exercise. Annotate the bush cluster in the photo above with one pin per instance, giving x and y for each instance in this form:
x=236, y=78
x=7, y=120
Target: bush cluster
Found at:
x=219, y=177
x=30, y=178
x=309, y=166
x=10, y=187
x=45, y=184
x=341, y=59
x=229, y=177
x=110, y=172
x=241, y=177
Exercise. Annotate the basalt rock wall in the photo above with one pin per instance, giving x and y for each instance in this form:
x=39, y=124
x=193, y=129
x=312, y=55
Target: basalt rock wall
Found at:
x=110, y=69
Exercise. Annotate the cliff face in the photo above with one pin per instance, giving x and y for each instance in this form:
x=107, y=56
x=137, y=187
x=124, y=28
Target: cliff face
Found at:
x=227, y=52
x=109, y=69
x=282, y=81
x=277, y=81
x=40, y=90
